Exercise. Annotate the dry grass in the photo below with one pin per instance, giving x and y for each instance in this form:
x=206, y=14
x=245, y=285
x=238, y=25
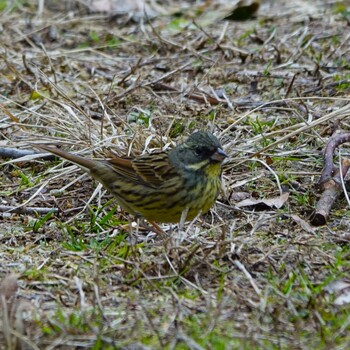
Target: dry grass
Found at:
x=274, y=89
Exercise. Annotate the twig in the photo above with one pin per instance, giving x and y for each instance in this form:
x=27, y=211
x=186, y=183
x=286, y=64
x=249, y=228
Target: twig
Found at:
x=131, y=71
x=290, y=85
x=14, y=153
x=331, y=180
x=212, y=100
x=327, y=86
x=248, y=275
x=339, y=113
x=26, y=210
x=167, y=75
x=346, y=163
x=332, y=144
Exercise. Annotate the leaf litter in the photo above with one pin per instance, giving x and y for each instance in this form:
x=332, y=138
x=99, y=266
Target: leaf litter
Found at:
x=274, y=88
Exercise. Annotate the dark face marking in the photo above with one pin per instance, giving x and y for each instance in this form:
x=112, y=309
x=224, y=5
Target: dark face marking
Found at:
x=202, y=146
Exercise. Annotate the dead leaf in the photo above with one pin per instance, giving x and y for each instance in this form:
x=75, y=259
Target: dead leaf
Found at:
x=8, y=286
x=342, y=289
x=304, y=225
x=239, y=196
x=9, y=114
x=343, y=298
x=276, y=202
x=233, y=10
x=336, y=286
x=24, y=313
x=244, y=10
x=135, y=8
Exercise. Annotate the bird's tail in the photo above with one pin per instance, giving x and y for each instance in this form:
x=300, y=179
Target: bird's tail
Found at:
x=85, y=163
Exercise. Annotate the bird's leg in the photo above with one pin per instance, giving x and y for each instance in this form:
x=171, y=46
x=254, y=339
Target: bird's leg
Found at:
x=133, y=235
x=183, y=218
x=137, y=226
x=156, y=228
x=130, y=227
x=180, y=234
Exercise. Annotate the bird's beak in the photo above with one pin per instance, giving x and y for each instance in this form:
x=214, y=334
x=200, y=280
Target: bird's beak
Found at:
x=219, y=155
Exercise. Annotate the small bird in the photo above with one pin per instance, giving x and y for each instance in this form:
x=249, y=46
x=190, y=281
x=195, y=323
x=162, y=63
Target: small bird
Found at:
x=161, y=186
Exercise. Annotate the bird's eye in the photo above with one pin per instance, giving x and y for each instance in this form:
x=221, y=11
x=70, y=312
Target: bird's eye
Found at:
x=200, y=151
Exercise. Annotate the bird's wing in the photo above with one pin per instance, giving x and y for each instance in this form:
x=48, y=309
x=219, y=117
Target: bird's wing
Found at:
x=149, y=169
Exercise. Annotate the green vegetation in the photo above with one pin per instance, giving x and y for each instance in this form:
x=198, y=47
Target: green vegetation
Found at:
x=80, y=273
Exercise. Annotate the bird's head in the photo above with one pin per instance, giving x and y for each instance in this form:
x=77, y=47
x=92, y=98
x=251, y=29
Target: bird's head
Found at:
x=200, y=150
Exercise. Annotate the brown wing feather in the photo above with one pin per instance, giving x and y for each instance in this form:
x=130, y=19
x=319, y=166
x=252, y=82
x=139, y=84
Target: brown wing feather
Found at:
x=123, y=167
x=150, y=169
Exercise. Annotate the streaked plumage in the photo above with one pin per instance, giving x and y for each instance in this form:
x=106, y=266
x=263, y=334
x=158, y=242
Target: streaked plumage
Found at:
x=160, y=186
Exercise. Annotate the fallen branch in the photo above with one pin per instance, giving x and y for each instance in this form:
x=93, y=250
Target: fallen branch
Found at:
x=14, y=153
x=26, y=210
x=329, y=168
x=331, y=180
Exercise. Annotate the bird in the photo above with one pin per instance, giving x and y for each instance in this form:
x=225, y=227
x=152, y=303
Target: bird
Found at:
x=160, y=186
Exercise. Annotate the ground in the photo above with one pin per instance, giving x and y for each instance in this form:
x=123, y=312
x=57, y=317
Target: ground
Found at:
x=274, y=88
